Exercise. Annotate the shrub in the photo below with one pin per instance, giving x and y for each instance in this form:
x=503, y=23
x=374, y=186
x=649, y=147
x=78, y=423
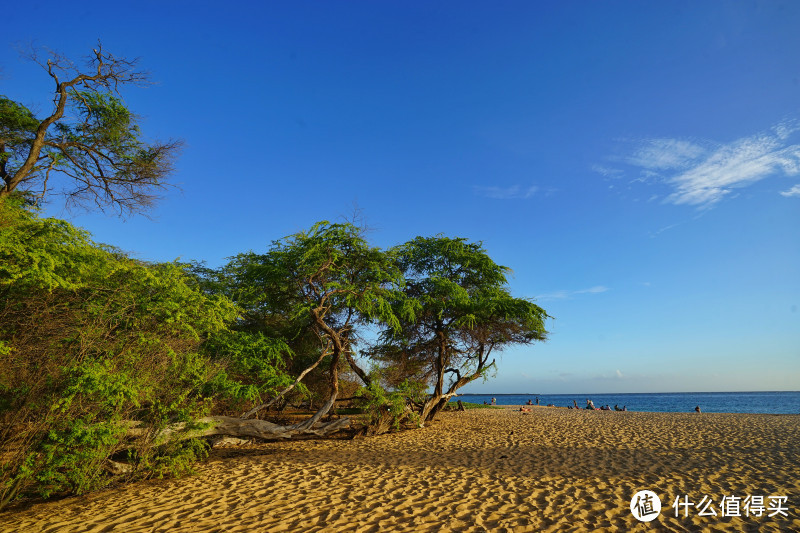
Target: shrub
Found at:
x=91, y=339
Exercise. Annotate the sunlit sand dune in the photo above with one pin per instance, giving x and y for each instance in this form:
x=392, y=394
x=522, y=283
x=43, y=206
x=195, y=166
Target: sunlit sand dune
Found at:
x=482, y=470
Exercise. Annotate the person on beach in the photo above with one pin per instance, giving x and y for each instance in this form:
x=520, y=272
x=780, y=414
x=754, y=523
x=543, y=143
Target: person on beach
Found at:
x=530, y=403
x=697, y=409
x=537, y=400
x=494, y=401
x=575, y=404
x=590, y=404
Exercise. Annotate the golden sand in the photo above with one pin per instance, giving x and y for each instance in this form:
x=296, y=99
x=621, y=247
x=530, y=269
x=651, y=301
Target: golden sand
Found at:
x=482, y=470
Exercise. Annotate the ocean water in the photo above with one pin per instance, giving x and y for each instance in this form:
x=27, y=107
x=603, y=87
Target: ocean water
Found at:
x=668, y=402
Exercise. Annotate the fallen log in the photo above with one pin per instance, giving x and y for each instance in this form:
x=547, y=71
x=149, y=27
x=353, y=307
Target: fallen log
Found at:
x=236, y=427
x=226, y=426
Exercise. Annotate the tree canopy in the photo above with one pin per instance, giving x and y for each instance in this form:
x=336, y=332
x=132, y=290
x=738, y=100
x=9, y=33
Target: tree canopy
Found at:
x=327, y=281
x=463, y=313
x=89, y=147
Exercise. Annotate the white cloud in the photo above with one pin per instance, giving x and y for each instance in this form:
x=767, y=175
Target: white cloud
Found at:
x=564, y=295
x=786, y=128
x=660, y=154
x=594, y=290
x=507, y=193
x=702, y=174
x=608, y=172
x=735, y=165
x=794, y=191
x=662, y=230
x=557, y=295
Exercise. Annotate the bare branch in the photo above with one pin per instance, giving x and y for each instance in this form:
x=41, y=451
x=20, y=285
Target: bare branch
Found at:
x=100, y=144
x=254, y=410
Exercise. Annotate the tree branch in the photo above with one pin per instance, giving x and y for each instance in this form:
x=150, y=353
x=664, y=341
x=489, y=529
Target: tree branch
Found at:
x=303, y=374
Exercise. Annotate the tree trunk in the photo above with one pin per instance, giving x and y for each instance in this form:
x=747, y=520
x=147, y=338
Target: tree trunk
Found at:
x=380, y=426
x=437, y=402
x=438, y=406
x=357, y=369
x=429, y=409
x=334, y=385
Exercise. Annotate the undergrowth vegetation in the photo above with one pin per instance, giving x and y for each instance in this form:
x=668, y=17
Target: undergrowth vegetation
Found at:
x=91, y=339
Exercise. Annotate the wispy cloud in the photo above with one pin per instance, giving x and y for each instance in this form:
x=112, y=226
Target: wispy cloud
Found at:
x=659, y=231
x=703, y=173
x=564, y=295
x=515, y=192
x=738, y=164
x=665, y=154
x=594, y=290
x=607, y=171
x=794, y=191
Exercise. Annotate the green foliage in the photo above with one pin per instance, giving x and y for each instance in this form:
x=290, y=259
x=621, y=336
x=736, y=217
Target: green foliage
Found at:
x=471, y=405
x=106, y=127
x=329, y=267
x=17, y=128
x=70, y=457
x=90, y=338
x=172, y=460
x=460, y=295
x=5, y=349
x=43, y=253
x=388, y=407
x=255, y=366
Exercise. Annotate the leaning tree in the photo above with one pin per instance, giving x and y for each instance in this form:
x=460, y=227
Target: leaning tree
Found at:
x=326, y=280
x=463, y=313
x=89, y=146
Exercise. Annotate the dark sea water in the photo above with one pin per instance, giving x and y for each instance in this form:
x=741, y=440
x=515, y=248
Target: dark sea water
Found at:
x=669, y=402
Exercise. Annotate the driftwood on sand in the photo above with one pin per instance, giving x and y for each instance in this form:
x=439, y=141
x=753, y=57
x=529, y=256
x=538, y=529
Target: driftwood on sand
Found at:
x=237, y=427
x=226, y=426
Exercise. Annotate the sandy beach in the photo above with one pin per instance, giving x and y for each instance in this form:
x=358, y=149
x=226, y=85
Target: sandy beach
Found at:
x=553, y=469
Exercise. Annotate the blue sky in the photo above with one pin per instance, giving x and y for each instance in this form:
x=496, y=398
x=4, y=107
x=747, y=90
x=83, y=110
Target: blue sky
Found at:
x=637, y=164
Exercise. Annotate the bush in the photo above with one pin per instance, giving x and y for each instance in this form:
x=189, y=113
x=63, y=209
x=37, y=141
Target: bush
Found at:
x=254, y=367
x=91, y=339
x=387, y=409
